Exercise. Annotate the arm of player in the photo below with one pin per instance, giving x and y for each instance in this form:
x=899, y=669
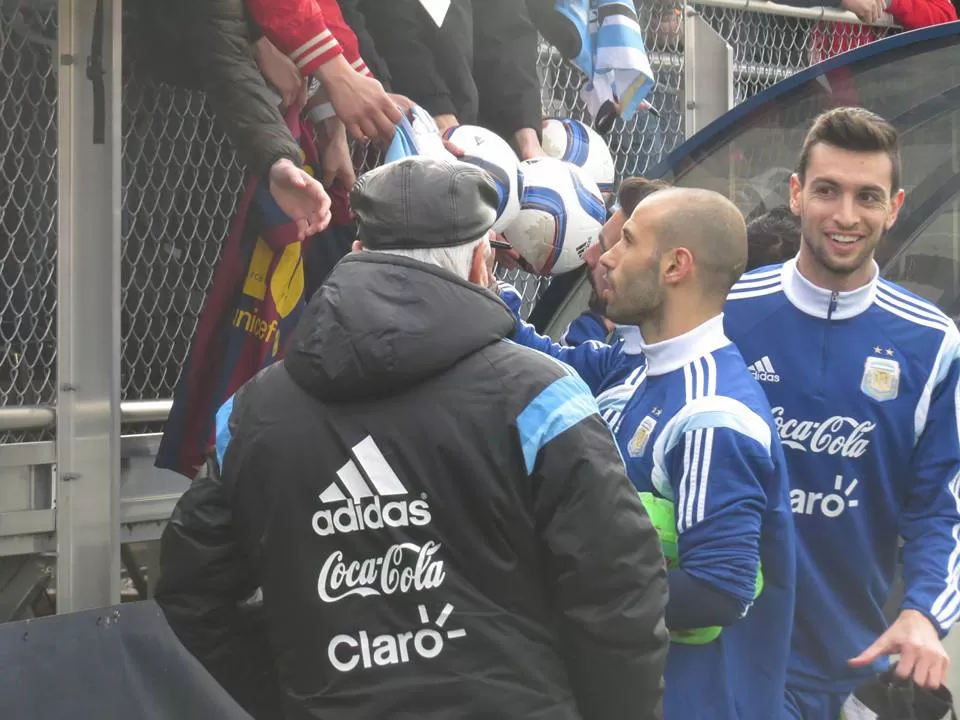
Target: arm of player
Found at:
x=602, y=556
x=930, y=525
x=593, y=361
x=931, y=519
x=586, y=326
x=717, y=464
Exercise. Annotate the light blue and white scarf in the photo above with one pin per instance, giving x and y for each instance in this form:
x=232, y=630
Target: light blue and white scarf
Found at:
x=612, y=54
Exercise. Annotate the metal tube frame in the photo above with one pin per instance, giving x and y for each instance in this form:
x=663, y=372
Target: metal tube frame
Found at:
x=86, y=519
x=40, y=417
x=813, y=13
x=87, y=506
x=707, y=73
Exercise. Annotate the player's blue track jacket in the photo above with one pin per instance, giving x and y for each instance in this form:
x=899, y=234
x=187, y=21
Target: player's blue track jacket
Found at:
x=586, y=326
x=602, y=367
x=864, y=392
x=694, y=427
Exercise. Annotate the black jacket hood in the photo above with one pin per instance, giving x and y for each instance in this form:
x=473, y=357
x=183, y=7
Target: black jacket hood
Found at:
x=383, y=323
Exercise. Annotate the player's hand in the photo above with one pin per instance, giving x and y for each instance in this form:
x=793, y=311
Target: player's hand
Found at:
x=360, y=101
x=335, y=156
x=445, y=122
x=915, y=639
x=868, y=11
x=300, y=196
x=281, y=72
x=454, y=150
x=527, y=144
x=402, y=101
x=509, y=259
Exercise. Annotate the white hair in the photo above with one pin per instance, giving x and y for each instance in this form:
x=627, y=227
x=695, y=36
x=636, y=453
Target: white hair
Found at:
x=457, y=259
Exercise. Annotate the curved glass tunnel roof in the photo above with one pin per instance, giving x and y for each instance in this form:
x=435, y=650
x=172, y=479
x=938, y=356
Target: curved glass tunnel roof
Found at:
x=913, y=80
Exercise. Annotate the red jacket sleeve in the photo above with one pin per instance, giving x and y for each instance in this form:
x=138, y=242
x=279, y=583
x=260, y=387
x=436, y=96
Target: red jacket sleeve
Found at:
x=914, y=14
x=311, y=32
x=342, y=32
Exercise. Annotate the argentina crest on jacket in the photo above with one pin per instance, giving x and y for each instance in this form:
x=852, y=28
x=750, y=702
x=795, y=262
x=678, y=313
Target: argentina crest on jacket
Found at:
x=881, y=378
x=638, y=443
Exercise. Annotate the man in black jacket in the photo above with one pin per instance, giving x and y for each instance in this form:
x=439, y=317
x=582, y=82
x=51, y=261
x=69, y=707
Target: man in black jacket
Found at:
x=438, y=518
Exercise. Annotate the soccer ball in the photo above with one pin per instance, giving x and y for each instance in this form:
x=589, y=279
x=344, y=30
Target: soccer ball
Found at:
x=577, y=143
x=487, y=150
x=561, y=213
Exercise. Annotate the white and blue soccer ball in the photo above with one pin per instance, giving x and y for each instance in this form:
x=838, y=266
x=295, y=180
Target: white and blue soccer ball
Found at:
x=574, y=142
x=486, y=149
x=561, y=213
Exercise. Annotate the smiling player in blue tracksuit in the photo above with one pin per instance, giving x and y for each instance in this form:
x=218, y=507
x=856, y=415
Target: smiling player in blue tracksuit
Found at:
x=863, y=380
x=700, y=446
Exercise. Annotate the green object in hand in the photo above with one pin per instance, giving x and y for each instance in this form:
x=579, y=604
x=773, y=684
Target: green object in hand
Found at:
x=663, y=515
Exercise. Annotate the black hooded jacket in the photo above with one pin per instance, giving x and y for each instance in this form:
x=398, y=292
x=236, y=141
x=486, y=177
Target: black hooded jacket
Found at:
x=208, y=45
x=438, y=518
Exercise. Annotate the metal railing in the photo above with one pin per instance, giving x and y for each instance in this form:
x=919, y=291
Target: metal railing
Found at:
x=153, y=204
x=180, y=179
x=42, y=417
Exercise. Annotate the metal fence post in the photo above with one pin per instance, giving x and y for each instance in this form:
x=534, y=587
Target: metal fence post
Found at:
x=88, y=305
x=707, y=73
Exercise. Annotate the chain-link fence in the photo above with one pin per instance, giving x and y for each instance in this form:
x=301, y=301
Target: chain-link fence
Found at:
x=181, y=183
x=768, y=48
x=28, y=204
x=181, y=180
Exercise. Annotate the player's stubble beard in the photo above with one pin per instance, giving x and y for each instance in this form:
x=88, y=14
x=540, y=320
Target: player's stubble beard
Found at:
x=641, y=301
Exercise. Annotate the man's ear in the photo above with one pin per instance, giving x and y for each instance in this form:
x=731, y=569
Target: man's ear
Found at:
x=480, y=265
x=356, y=247
x=896, y=202
x=796, y=191
x=678, y=264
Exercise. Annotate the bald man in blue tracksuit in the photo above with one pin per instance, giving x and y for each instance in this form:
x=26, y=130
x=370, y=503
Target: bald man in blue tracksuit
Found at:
x=699, y=440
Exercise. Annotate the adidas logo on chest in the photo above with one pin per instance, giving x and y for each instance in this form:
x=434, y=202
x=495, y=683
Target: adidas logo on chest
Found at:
x=369, y=496
x=762, y=371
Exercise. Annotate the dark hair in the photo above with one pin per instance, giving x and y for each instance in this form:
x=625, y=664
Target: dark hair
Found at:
x=634, y=189
x=772, y=238
x=857, y=130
